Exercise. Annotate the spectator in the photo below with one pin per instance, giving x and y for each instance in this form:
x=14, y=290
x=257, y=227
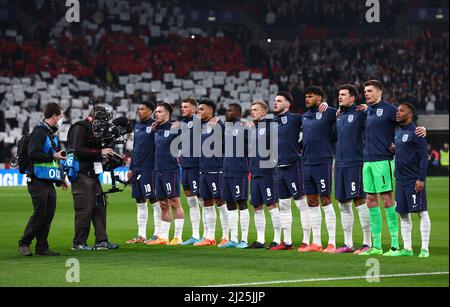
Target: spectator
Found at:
x=433, y=161
x=430, y=102
x=410, y=74
x=271, y=17
x=444, y=157
x=412, y=70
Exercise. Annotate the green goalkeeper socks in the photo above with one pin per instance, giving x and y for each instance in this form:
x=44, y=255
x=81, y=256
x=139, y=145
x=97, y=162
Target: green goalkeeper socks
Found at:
x=392, y=221
x=376, y=224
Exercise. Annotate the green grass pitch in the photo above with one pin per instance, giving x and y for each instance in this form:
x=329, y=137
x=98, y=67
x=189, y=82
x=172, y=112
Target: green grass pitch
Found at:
x=141, y=265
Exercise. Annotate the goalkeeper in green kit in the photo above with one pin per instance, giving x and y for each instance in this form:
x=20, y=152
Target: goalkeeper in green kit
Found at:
x=378, y=170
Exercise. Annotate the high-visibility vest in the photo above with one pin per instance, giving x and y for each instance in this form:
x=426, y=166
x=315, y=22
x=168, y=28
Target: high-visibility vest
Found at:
x=444, y=158
x=71, y=166
x=48, y=170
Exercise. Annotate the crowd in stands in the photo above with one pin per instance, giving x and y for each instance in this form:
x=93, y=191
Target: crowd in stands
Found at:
x=288, y=13
x=120, y=39
x=129, y=51
x=23, y=99
x=326, y=13
x=411, y=70
x=120, y=54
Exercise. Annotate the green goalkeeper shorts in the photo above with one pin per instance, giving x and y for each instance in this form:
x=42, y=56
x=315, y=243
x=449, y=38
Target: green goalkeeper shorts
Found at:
x=378, y=177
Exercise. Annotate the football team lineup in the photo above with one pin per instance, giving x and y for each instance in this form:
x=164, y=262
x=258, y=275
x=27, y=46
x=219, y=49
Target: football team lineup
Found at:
x=142, y=265
x=361, y=158
x=352, y=153
x=229, y=151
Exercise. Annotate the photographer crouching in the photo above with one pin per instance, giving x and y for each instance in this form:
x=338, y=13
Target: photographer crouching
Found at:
x=89, y=199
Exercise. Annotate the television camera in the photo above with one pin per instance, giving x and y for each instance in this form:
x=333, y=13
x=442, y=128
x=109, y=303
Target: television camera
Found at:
x=109, y=133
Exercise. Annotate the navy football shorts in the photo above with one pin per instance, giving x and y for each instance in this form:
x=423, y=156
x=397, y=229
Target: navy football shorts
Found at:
x=167, y=185
x=408, y=201
x=143, y=185
x=263, y=190
x=190, y=180
x=318, y=179
x=289, y=181
x=235, y=188
x=348, y=183
x=210, y=185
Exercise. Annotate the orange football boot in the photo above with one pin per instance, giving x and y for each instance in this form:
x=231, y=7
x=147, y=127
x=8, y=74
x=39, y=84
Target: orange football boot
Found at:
x=206, y=242
x=331, y=249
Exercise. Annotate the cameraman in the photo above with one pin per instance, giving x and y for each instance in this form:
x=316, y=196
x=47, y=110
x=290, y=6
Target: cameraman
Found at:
x=89, y=203
x=44, y=152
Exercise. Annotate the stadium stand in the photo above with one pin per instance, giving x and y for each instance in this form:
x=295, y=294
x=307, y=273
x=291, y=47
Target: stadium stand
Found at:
x=128, y=51
x=24, y=97
x=411, y=70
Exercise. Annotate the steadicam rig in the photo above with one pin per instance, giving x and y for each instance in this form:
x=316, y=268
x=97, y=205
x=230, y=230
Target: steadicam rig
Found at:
x=108, y=133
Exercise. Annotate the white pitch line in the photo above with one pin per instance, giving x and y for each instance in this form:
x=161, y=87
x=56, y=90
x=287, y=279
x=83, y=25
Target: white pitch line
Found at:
x=327, y=279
